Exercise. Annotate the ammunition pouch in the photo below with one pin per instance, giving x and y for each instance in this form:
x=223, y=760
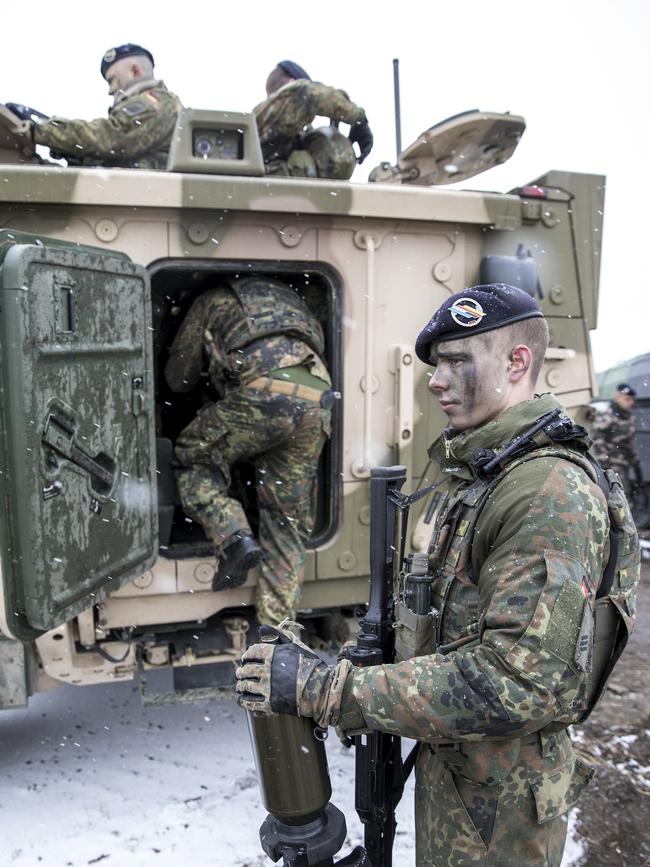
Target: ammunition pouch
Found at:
x=415, y=634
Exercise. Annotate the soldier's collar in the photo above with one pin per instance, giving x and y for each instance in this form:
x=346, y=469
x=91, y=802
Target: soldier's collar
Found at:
x=454, y=452
x=137, y=86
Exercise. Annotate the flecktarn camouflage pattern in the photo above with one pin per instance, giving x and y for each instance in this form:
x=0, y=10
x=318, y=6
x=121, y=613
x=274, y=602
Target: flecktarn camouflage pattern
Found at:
x=136, y=134
x=613, y=433
x=245, y=339
x=497, y=772
x=284, y=117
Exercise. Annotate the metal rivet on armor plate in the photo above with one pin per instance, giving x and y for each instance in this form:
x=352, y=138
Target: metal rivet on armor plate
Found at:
x=198, y=233
x=407, y=359
x=375, y=384
x=550, y=218
x=553, y=377
x=442, y=271
x=364, y=515
x=290, y=236
x=106, y=230
x=144, y=580
x=361, y=239
x=347, y=560
x=557, y=294
x=203, y=573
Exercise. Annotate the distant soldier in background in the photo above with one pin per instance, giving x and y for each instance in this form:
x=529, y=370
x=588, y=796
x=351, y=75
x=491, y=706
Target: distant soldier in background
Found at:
x=290, y=146
x=262, y=349
x=614, y=432
x=137, y=132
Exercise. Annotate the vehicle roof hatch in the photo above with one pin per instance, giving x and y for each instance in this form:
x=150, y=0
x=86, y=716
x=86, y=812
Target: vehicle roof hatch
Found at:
x=455, y=149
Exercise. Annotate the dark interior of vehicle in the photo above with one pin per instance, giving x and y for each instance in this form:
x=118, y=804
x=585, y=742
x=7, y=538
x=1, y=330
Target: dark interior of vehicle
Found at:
x=174, y=286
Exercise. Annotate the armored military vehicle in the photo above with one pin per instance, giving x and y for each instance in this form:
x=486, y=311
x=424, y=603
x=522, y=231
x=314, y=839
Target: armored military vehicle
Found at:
x=102, y=573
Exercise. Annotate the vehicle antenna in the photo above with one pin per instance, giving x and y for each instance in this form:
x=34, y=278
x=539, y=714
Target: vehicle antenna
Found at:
x=398, y=119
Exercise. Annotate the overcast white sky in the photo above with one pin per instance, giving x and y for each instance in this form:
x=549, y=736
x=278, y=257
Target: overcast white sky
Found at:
x=577, y=70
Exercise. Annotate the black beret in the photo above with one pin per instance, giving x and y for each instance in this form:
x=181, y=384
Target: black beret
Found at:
x=624, y=388
x=120, y=51
x=475, y=310
x=293, y=69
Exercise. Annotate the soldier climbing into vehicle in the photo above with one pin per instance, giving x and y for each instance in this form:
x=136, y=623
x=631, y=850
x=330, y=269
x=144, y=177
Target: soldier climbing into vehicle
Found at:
x=262, y=348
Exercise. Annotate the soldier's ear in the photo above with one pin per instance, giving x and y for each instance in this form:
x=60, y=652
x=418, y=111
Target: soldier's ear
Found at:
x=520, y=360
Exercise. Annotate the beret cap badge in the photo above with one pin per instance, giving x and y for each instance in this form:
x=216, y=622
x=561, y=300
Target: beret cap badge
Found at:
x=466, y=312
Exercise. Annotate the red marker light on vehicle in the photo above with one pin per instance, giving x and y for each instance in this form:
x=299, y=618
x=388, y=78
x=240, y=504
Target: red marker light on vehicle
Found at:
x=532, y=191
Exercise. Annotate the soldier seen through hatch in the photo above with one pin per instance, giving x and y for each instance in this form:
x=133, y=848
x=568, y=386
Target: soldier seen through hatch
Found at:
x=263, y=350
x=290, y=146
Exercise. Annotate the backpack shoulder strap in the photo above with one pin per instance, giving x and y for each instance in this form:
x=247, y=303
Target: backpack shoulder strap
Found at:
x=588, y=464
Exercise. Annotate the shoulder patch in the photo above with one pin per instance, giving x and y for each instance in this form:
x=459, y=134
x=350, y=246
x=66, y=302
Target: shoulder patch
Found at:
x=135, y=108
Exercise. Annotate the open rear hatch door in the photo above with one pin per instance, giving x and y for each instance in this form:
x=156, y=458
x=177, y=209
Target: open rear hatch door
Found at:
x=77, y=437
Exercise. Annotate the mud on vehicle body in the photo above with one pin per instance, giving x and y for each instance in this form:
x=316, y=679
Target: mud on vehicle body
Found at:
x=102, y=573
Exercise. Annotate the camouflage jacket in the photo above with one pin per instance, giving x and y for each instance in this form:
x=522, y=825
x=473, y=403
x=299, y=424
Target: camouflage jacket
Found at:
x=223, y=333
x=288, y=111
x=136, y=134
x=613, y=433
x=512, y=618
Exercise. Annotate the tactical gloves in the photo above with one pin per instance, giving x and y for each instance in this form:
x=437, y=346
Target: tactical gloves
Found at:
x=361, y=133
x=283, y=675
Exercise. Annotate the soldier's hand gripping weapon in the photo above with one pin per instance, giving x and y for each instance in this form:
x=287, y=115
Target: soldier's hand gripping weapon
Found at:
x=302, y=827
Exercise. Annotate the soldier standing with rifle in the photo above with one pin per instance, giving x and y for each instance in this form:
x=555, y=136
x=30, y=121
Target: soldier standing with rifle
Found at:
x=614, y=435
x=504, y=658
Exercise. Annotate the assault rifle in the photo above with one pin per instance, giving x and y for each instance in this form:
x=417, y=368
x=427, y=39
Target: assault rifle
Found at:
x=379, y=781
x=302, y=828
x=380, y=771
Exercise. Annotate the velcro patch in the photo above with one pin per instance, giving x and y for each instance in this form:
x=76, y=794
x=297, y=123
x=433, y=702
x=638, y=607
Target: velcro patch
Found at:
x=133, y=109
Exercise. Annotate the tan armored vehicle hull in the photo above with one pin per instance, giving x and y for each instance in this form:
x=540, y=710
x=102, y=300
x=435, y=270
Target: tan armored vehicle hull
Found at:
x=373, y=261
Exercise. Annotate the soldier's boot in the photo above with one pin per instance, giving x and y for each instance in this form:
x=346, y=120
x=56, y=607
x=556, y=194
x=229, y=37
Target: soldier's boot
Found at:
x=238, y=557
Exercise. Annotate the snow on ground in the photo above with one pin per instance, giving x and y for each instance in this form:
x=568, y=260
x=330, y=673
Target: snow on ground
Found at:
x=89, y=776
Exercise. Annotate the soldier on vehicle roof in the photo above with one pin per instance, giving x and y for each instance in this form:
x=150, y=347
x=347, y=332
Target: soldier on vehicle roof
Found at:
x=289, y=145
x=501, y=665
x=614, y=435
x=137, y=132
x=263, y=350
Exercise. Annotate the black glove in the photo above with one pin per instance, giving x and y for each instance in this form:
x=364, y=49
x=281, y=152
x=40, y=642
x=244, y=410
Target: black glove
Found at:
x=361, y=133
x=273, y=675
x=24, y=112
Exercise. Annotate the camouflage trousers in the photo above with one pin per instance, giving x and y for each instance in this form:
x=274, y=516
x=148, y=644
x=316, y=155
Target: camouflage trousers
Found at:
x=282, y=437
x=502, y=804
x=321, y=153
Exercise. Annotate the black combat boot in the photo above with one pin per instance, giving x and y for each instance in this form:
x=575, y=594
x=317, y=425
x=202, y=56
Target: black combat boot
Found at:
x=240, y=555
